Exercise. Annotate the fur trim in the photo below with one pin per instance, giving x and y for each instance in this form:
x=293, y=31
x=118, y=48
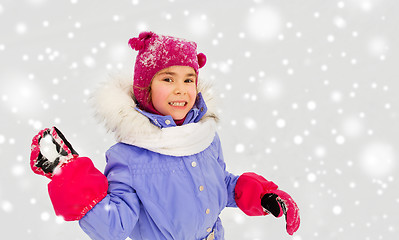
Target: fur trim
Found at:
x=114, y=105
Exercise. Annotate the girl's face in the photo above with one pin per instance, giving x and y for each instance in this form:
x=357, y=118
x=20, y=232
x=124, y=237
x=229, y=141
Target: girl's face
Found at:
x=174, y=91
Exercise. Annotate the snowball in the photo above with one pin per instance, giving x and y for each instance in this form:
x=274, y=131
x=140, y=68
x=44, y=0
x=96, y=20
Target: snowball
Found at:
x=264, y=23
x=377, y=159
x=2, y=139
x=47, y=148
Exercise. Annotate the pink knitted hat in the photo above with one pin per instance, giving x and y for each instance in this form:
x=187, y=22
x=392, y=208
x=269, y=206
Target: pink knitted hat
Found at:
x=157, y=52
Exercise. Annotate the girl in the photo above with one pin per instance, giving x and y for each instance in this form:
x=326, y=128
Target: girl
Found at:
x=166, y=177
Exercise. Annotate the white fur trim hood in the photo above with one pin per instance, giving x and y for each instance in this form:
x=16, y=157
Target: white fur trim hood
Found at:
x=114, y=105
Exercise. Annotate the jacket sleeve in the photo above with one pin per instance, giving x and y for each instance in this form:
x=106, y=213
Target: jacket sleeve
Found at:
x=117, y=214
x=230, y=179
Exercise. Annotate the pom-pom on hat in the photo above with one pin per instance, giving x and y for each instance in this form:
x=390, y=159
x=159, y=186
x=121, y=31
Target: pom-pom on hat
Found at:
x=157, y=52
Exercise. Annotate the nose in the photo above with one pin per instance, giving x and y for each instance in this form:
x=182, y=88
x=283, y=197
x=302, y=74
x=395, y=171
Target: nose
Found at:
x=179, y=89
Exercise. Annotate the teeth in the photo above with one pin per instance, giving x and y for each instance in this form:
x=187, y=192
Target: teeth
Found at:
x=177, y=104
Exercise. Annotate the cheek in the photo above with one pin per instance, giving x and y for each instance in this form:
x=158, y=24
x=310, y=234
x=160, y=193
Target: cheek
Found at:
x=193, y=93
x=158, y=96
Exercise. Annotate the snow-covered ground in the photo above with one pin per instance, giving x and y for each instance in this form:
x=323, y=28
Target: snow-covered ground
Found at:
x=308, y=94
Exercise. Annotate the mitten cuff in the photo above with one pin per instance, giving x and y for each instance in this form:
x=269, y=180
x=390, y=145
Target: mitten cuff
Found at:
x=249, y=190
x=76, y=188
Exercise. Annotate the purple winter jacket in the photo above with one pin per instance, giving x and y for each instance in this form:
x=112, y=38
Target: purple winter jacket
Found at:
x=157, y=192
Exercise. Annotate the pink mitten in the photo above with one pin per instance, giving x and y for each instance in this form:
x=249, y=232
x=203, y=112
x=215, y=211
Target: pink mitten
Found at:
x=76, y=185
x=256, y=196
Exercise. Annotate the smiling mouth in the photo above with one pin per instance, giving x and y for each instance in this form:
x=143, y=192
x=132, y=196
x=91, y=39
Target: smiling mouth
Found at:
x=178, y=104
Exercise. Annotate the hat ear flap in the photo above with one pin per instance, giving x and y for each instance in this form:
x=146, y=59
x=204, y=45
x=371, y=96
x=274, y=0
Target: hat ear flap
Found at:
x=139, y=42
x=201, y=60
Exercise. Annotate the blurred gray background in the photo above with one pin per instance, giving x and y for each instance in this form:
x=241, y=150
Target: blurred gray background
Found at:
x=308, y=94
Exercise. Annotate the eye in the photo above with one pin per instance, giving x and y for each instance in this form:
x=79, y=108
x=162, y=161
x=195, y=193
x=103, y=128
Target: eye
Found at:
x=189, y=81
x=167, y=80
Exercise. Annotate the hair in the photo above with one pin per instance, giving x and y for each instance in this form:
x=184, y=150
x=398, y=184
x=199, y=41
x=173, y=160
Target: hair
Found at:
x=145, y=89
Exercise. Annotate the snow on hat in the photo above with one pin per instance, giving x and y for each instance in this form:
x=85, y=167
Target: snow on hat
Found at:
x=157, y=52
